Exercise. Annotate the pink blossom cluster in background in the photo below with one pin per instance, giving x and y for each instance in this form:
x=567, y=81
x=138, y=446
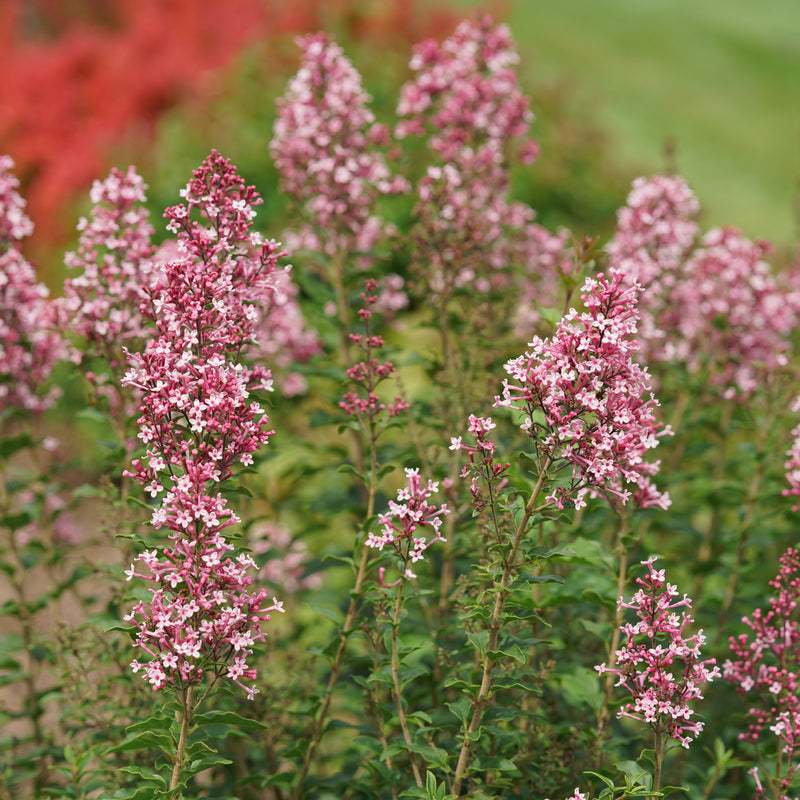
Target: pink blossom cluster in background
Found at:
x=792, y=464
x=659, y=665
x=548, y=258
x=709, y=302
x=585, y=400
x=287, y=558
x=405, y=520
x=116, y=270
x=198, y=421
x=326, y=146
x=283, y=334
x=465, y=93
x=30, y=341
x=466, y=97
x=765, y=668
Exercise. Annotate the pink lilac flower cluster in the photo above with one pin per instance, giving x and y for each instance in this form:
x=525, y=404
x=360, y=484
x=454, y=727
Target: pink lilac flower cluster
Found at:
x=367, y=406
x=15, y=224
x=326, y=147
x=465, y=95
x=199, y=419
x=659, y=665
x=114, y=257
x=766, y=666
x=709, y=303
x=117, y=271
x=481, y=465
x=466, y=92
x=405, y=520
x=585, y=402
x=30, y=341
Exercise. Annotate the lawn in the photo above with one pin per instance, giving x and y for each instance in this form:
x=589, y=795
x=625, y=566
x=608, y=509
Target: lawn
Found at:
x=719, y=79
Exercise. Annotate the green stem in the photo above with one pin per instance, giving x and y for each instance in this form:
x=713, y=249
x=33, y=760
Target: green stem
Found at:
x=481, y=701
x=660, y=746
x=611, y=659
x=396, y=681
x=350, y=619
x=184, y=719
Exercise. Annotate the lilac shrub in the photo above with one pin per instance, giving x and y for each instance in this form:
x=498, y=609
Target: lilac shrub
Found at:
x=325, y=148
x=712, y=303
x=765, y=669
x=199, y=421
x=585, y=402
x=462, y=633
x=30, y=341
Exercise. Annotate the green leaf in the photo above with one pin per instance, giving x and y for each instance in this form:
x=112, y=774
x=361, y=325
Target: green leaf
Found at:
x=13, y=444
x=159, y=723
x=145, y=740
x=147, y=773
x=228, y=718
x=436, y=756
x=513, y=651
x=333, y=614
x=461, y=709
x=200, y=764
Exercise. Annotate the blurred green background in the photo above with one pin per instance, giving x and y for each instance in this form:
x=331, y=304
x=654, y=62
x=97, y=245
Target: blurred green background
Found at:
x=708, y=88
x=717, y=80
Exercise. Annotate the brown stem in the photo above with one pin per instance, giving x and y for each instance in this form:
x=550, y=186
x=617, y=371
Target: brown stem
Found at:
x=350, y=618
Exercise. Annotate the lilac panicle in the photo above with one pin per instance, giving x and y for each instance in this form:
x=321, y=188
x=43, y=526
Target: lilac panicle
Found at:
x=765, y=667
x=405, y=520
x=198, y=422
x=116, y=268
x=584, y=399
x=658, y=664
x=710, y=303
x=30, y=342
x=466, y=97
x=466, y=93
x=325, y=146
x=15, y=224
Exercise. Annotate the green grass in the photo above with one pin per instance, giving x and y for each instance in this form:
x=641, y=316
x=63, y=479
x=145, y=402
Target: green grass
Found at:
x=718, y=78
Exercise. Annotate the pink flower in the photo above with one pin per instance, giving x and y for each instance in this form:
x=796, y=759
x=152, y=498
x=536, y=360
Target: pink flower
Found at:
x=765, y=668
x=199, y=420
x=117, y=270
x=658, y=664
x=583, y=399
x=712, y=304
x=30, y=340
x=406, y=518
x=325, y=148
x=365, y=405
x=465, y=96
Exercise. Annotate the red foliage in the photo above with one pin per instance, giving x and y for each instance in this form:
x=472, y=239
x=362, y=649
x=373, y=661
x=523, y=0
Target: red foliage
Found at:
x=83, y=75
